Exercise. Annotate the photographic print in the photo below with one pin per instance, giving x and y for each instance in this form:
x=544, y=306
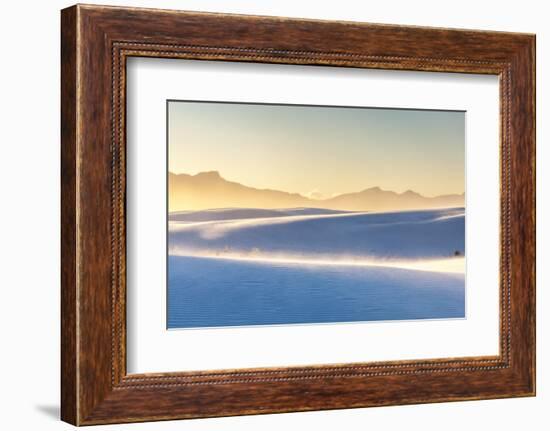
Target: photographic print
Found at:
x=299, y=214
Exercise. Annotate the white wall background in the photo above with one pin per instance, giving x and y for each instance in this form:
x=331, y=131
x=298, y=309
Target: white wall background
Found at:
x=29, y=227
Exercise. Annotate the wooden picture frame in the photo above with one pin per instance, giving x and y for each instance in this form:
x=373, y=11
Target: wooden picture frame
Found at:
x=95, y=43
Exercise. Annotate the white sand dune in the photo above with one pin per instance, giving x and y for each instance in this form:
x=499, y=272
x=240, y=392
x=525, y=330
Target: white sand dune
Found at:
x=225, y=214
x=232, y=267
x=427, y=240
x=209, y=292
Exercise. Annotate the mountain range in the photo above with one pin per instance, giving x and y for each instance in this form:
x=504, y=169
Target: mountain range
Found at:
x=210, y=190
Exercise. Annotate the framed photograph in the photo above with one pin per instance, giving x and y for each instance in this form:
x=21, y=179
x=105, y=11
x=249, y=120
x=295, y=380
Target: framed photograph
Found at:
x=265, y=215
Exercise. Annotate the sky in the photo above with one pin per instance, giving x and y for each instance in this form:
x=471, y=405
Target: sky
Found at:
x=319, y=151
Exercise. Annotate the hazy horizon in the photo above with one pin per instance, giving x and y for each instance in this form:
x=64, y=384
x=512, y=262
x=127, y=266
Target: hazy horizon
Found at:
x=210, y=190
x=221, y=175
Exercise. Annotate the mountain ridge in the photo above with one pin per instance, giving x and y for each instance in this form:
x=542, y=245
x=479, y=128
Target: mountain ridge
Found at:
x=209, y=189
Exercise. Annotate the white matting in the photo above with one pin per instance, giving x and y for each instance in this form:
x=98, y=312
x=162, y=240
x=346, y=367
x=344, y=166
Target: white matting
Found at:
x=152, y=348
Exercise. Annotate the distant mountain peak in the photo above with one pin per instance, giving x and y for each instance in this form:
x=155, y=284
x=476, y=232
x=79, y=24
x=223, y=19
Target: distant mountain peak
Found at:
x=410, y=193
x=209, y=174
